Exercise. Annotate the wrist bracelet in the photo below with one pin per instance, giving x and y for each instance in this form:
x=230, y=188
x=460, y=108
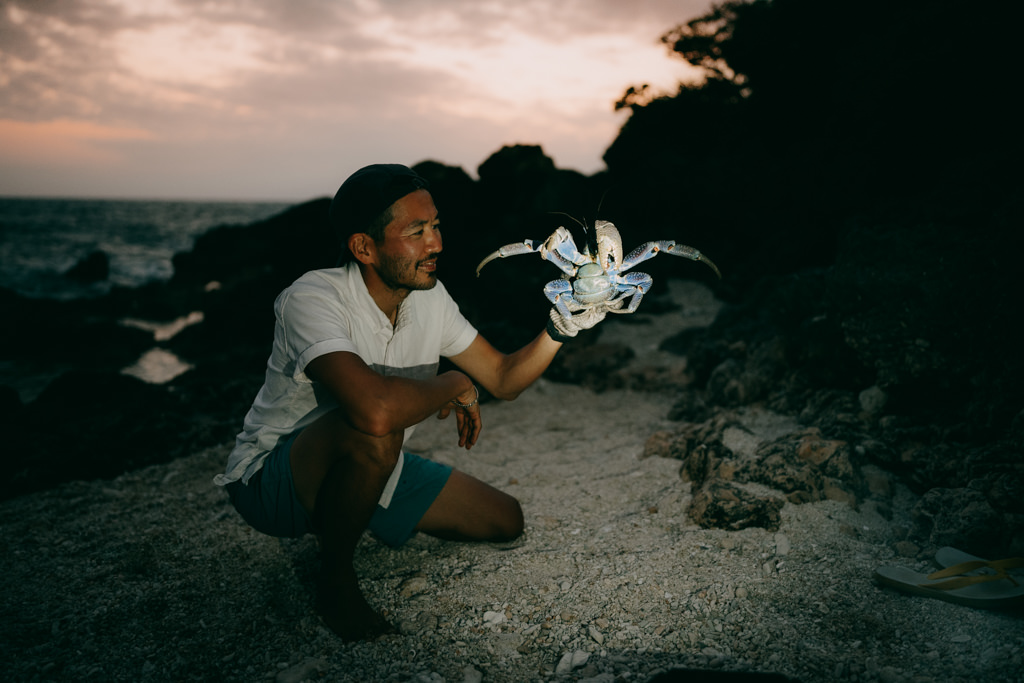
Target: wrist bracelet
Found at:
x=471, y=403
x=555, y=334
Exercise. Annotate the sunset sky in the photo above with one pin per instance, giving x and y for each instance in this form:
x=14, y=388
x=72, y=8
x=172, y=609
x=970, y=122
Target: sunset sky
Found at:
x=275, y=100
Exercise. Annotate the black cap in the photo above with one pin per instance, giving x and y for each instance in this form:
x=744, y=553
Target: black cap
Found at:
x=366, y=195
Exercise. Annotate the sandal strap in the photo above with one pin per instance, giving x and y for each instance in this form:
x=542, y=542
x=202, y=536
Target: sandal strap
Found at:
x=1009, y=563
x=965, y=581
x=957, y=571
x=962, y=568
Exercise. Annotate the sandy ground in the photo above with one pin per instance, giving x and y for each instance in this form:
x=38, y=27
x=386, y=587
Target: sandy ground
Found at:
x=152, y=576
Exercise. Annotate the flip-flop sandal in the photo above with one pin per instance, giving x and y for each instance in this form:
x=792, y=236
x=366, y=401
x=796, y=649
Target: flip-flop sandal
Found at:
x=966, y=580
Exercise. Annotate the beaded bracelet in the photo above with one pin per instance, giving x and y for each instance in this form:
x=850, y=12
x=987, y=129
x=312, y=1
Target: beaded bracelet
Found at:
x=471, y=403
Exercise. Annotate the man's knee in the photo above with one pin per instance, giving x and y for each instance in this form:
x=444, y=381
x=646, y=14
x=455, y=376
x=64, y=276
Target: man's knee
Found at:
x=329, y=443
x=332, y=438
x=515, y=527
x=508, y=524
x=382, y=452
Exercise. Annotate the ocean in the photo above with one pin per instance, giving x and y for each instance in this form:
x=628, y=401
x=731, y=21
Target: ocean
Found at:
x=41, y=239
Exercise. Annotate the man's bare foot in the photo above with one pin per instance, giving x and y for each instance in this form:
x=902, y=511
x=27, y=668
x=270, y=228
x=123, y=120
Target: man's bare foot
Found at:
x=346, y=612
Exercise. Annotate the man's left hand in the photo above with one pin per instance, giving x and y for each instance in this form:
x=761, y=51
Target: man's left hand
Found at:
x=467, y=418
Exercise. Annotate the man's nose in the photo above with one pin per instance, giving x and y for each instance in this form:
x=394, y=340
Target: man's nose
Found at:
x=434, y=240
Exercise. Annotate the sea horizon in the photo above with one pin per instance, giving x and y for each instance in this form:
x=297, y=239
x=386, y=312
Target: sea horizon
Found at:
x=42, y=238
x=198, y=200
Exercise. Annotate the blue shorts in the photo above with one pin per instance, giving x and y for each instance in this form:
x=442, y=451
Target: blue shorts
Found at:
x=269, y=503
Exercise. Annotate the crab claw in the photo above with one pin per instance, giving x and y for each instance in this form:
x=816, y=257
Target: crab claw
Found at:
x=609, y=245
x=693, y=255
x=524, y=247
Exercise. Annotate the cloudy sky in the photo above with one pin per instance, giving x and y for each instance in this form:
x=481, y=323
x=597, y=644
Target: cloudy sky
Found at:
x=281, y=99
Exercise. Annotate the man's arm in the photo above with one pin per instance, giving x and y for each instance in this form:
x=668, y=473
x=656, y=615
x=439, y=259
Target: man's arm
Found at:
x=507, y=375
x=378, y=405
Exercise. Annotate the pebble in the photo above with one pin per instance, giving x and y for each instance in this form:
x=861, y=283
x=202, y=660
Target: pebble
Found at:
x=872, y=400
x=428, y=677
x=308, y=668
x=571, y=660
x=782, y=545
x=595, y=634
x=413, y=586
x=600, y=678
x=423, y=622
x=494, y=618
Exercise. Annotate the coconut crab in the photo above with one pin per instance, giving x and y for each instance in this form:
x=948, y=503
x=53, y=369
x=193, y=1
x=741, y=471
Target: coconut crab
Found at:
x=598, y=275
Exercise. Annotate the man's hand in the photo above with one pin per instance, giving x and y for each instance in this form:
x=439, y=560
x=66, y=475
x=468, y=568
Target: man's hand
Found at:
x=563, y=329
x=467, y=417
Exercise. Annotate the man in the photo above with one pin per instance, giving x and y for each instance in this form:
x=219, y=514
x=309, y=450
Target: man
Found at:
x=352, y=370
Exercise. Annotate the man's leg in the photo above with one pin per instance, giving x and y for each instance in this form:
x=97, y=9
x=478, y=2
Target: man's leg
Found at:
x=339, y=476
x=467, y=509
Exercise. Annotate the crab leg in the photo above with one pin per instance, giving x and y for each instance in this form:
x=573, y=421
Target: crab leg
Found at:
x=649, y=250
x=559, y=292
x=558, y=249
x=632, y=286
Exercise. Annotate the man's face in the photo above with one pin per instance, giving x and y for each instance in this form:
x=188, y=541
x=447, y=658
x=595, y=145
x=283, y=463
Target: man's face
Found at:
x=412, y=242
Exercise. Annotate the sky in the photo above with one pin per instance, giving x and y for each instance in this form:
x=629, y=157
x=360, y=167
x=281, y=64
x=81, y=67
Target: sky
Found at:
x=279, y=100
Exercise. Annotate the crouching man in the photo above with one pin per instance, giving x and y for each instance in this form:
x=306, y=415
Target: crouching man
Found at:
x=353, y=369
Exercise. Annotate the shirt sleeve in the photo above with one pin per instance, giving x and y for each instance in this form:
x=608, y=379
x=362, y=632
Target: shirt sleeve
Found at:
x=312, y=324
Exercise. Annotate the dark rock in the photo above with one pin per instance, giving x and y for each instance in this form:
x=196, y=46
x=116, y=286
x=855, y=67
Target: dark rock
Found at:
x=729, y=385
x=89, y=425
x=79, y=332
x=690, y=407
x=93, y=268
x=699, y=446
x=280, y=248
x=10, y=400
x=961, y=518
x=806, y=467
x=835, y=412
x=738, y=382
x=521, y=170
x=727, y=505
x=803, y=465
x=706, y=460
x=1003, y=486
x=713, y=676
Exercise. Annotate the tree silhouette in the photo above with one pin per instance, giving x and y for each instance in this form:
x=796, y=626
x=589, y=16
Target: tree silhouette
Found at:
x=850, y=162
x=813, y=112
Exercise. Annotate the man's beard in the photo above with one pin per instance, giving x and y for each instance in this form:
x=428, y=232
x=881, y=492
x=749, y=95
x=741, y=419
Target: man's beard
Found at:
x=399, y=273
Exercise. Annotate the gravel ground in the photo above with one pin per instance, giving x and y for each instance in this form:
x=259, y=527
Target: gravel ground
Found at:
x=153, y=577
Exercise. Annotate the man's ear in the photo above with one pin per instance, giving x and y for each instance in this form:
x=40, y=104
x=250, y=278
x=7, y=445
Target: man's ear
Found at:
x=363, y=248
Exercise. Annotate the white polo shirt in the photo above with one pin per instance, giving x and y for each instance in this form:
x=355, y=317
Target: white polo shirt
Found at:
x=331, y=310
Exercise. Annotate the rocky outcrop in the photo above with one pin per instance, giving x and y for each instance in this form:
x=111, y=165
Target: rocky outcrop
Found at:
x=93, y=268
x=734, y=492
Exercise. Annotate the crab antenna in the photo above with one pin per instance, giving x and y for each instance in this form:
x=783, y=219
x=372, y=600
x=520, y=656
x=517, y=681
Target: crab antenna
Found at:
x=591, y=240
x=569, y=216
